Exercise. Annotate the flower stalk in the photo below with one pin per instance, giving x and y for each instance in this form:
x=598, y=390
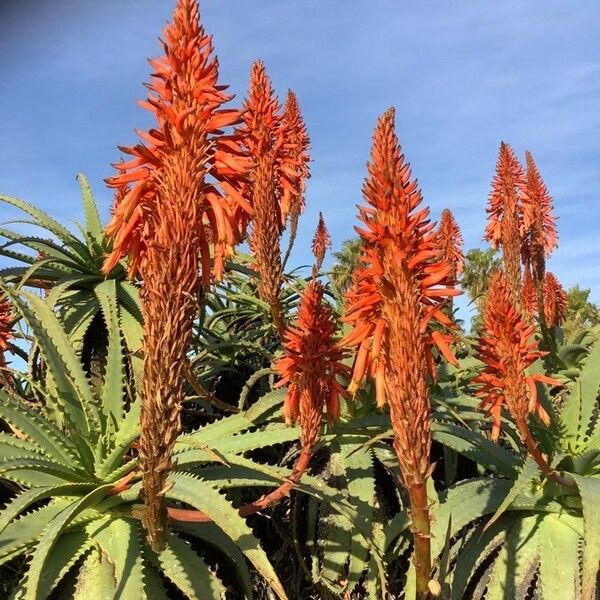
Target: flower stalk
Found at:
x=398, y=291
x=175, y=199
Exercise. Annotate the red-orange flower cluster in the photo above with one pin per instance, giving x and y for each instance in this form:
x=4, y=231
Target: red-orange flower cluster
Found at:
x=506, y=222
x=188, y=142
x=555, y=301
x=507, y=349
x=528, y=295
x=296, y=147
x=311, y=365
x=449, y=240
x=321, y=242
x=541, y=235
x=400, y=259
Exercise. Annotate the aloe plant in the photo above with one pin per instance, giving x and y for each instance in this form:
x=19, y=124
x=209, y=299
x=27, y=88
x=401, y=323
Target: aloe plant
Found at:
x=67, y=268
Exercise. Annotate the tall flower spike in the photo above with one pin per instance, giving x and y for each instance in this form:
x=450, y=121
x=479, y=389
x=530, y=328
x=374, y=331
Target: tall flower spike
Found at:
x=320, y=244
x=507, y=349
x=555, y=301
x=540, y=236
x=506, y=226
x=310, y=366
x=262, y=134
x=450, y=241
x=397, y=292
x=296, y=148
x=175, y=198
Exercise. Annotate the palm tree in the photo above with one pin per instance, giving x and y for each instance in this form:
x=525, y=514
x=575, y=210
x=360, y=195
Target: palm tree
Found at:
x=347, y=260
x=479, y=266
x=581, y=313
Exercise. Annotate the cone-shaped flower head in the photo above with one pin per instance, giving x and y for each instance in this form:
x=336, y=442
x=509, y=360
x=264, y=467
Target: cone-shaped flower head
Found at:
x=295, y=148
x=187, y=152
x=397, y=291
x=555, y=301
x=507, y=348
x=321, y=243
x=449, y=240
x=311, y=364
x=541, y=234
x=506, y=227
x=400, y=266
x=264, y=141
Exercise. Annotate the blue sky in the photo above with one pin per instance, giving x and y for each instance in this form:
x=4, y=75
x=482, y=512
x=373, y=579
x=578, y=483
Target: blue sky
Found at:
x=462, y=75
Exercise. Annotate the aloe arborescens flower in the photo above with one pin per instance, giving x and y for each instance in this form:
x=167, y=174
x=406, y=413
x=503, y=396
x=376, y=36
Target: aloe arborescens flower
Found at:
x=262, y=132
x=540, y=235
x=506, y=226
x=507, y=348
x=398, y=290
x=178, y=195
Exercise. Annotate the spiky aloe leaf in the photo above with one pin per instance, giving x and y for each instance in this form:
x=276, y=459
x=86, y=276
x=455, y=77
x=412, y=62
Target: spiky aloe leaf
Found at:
x=114, y=373
x=45, y=221
x=211, y=535
x=95, y=578
x=558, y=547
x=120, y=543
x=473, y=445
x=514, y=569
x=93, y=226
x=191, y=490
x=49, y=538
x=188, y=571
x=576, y=417
x=526, y=475
x=40, y=431
x=589, y=489
x=74, y=391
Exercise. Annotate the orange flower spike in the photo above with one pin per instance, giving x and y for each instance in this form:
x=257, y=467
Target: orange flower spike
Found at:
x=176, y=198
x=541, y=235
x=555, y=301
x=399, y=289
x=449, y=240
x=507, y=349
x=310, y=366
x=321, y=243
x=528, y=295
x=506, y=227
x=295, y=150
x=538, y=215
x=186, y=100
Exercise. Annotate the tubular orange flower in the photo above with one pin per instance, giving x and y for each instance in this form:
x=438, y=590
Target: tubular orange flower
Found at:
x=296, y=148
x=555, y=301
x=528, y=295
x=397, y=291
x=540, y=236
x=449, y=239
x=310, y=366
x=506, y=226
x=186, y=99
x=321, y=242
x=262, y=133
x=506, y=348
x=177, y=195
